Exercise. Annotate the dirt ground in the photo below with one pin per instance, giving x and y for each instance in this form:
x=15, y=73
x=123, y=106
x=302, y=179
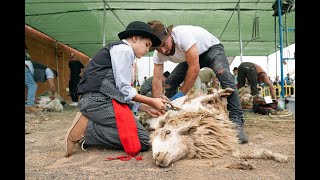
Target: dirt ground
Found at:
x=44, y=154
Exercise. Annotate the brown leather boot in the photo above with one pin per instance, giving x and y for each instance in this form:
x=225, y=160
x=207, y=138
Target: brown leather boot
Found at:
x=75, y=133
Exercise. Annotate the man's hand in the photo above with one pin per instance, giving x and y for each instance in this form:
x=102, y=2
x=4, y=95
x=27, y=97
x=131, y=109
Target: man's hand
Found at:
x=178, y=95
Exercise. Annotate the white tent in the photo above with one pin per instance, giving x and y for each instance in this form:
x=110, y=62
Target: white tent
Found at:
x=145, y=67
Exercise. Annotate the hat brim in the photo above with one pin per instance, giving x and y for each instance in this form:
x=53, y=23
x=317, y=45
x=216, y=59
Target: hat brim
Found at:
x=129, y=33
x=163, y=39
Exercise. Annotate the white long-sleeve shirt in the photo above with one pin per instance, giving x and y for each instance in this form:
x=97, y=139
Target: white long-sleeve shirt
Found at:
x=122, y=59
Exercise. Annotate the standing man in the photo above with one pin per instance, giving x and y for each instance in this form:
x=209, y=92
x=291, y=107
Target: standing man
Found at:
x=193, y=48
x=235, y=75
x=288, y=81
x=254, y=74
x=76, y=68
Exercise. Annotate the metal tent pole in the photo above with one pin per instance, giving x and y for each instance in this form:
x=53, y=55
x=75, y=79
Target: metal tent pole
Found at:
x=275, y=44
x=149, y=66
x=104, y=24
x=240, y=37
x=268, y=65
x=281, y=48
x=56, y=57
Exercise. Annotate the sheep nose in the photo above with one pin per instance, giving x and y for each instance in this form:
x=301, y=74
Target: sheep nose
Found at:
x=160, y=156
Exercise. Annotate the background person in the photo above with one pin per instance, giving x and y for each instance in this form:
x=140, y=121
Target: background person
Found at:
x=235, y=75
x=31, y=85
x=76, y=68
x=146, y=88
x=206, y=76
x=288, y=81
x=144, y=80
x=42, y=73
x=254, y=74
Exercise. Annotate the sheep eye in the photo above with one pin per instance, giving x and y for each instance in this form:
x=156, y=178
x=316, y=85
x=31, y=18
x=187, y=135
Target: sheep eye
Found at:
x=168, y=131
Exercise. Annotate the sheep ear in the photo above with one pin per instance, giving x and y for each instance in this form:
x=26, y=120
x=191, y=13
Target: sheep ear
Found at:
x=153, y=134
x=187, y=129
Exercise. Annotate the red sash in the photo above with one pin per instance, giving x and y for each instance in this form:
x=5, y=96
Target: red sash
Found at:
x=127, y=130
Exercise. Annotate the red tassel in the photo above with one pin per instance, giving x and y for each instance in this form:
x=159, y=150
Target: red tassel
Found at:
x=124, y=158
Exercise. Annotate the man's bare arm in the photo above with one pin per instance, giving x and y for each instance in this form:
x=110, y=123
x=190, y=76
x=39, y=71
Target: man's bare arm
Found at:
x=192, y=58
x=157, y=88
x=267, y=81
x=52, y=86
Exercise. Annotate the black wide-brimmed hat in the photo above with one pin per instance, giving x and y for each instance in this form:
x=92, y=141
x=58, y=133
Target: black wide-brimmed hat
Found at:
x=138, y=28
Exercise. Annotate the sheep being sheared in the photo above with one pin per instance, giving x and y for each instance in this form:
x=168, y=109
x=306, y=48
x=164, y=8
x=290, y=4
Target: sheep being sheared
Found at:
x=50, y=104
x=201, y=129
x=192, y=134
x=194, y=101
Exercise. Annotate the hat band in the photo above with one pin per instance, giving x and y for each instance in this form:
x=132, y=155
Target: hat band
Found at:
x=166, y=29
x=164, y=33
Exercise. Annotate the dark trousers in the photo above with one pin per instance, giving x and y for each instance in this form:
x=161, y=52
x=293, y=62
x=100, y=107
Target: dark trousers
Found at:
x=216, y=59
x=248, y=70
x=73, y=88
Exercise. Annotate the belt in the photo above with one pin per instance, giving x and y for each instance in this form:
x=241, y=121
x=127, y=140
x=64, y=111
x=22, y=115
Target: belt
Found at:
x=26, y=66
x=217, y=45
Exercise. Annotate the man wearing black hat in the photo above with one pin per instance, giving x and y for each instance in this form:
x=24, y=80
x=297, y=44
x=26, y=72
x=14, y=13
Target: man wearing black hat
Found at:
x=107, y=97
x=193, y=48
x=146, y=88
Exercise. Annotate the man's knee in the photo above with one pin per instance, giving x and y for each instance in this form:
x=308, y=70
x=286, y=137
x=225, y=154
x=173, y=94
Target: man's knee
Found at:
x=226, y=79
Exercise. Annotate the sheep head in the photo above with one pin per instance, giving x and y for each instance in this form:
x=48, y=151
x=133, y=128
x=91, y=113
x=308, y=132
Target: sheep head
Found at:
x=192, y=134
x=171, y=143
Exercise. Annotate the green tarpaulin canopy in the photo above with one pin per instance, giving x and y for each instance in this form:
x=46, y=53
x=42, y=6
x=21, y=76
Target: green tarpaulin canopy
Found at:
x=87, y=25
